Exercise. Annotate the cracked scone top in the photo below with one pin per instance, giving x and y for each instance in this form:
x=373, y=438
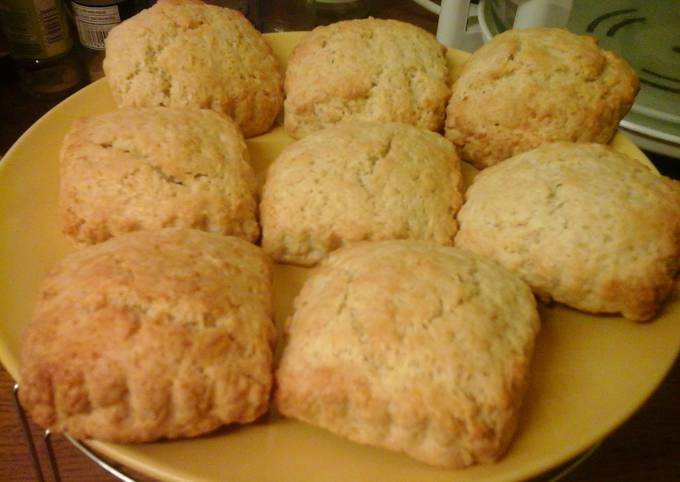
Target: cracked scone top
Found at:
x=366, y=70
x=155, y=334
x=191, y=55
x=359, y=181
x=135, y=169
x=411, y=346
x=528, y=87
x=580, y=223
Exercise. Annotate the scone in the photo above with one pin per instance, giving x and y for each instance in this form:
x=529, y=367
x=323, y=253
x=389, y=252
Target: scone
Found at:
x=157, y=334
x=191, y=55
x=359, y=181
x=135, y=169
x=532, y=86
x=411, y=346
x=366, y=70
x=580, y=223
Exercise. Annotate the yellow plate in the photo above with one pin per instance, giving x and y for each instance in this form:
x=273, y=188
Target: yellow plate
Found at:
x=589, y=374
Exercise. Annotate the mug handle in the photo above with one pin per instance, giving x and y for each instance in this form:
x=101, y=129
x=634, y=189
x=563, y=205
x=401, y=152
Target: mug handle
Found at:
x=452, y=27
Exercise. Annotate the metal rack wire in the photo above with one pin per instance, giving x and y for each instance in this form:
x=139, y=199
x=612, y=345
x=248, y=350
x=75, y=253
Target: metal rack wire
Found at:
x=47, y=439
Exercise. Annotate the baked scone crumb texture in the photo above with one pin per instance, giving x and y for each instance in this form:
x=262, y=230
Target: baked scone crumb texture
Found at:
x=582, y=224
x=413, y=347
x=135, y=169
x=156, y=334
x=359, y=181
x=528, y=87
x=372, y=70
x=194, y=55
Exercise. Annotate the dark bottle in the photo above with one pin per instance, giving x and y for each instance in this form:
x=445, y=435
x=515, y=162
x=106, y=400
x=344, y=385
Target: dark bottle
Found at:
x=41, y=42
x=94, y=19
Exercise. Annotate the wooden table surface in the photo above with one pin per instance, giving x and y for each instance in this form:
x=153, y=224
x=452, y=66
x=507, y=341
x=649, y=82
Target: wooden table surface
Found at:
x=646, y=448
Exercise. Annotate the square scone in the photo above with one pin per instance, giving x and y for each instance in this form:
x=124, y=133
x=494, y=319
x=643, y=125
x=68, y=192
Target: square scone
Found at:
x=413, y=347
x=360, y=181
x=188, y=54
x=582, y=224
x=367, y=70
x=159, y=167
x=532, y=86
x=154, y=334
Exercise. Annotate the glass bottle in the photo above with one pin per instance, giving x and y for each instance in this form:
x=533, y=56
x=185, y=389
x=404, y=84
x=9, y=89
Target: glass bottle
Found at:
x=94, y=19
x=41, y=42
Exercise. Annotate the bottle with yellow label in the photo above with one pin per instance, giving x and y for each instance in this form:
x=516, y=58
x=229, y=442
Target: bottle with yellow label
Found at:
x=41, y=42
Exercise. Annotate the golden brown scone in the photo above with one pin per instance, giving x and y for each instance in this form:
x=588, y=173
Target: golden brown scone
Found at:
x=191, y=55
x=580, y=223
x=135, y=169
x=411, y=346
x=532, y=86
x=359, y=181
x=155, y=334
x=366, y=70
